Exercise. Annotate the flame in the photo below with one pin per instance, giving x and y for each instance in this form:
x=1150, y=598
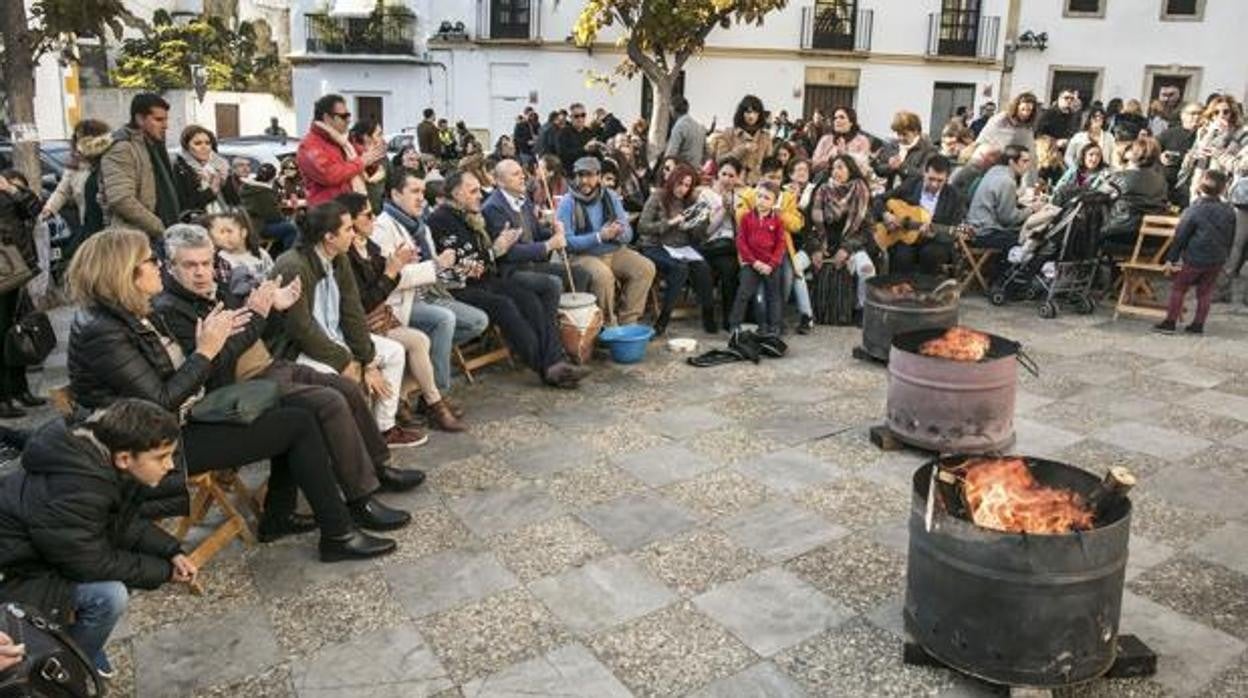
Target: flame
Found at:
x=958, y=344
x=1003, y=495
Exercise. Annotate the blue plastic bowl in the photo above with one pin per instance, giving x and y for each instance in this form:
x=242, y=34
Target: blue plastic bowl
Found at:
x=627, y=342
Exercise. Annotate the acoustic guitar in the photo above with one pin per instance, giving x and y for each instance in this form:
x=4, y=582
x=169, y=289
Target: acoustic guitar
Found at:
x=910, y=221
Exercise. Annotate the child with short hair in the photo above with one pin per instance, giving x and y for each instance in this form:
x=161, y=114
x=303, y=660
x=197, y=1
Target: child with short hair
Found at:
x=241, y=264
x=761, y=246
x=1202, y=244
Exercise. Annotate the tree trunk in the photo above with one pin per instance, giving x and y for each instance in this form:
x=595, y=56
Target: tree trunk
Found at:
x=660, y=112
x=19, y=81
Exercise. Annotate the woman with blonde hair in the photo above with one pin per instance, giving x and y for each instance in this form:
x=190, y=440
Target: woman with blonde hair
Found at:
x=1220, y=139
x=118, y=348
x=905, y=158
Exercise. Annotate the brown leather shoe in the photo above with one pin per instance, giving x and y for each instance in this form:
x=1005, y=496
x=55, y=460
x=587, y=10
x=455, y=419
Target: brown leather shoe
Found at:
x=454, y=408
x=444, y=418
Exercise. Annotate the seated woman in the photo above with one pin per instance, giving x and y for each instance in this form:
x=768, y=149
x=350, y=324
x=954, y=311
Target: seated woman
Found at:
x=1142, y=190
x=841, y=224
x=119, y=349
x=377, y=277
x=1091, y=170
x=670, y=222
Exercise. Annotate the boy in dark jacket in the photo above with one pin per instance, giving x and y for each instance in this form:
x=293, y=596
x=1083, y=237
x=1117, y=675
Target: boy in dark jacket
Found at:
x=71, y=538
x=1202, y=244
x=760, y=245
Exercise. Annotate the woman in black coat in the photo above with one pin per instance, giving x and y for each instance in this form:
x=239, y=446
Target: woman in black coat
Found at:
x=119, y=348
x=19, y=208
x=203, y=178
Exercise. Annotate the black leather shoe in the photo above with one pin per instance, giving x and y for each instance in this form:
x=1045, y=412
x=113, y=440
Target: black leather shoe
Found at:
x=272, y=528
x=356, y=545
x=565, y=375
x=10, y=411
x=394, y=479
x=30, y=400
x=371, y=514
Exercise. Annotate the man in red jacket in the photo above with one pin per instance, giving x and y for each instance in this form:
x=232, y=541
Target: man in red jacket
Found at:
x=328, y=162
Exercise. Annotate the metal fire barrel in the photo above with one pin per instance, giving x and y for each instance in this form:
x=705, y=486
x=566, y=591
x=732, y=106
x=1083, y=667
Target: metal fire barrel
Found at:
x=884, y=315
x=951, y=406
x=1013, y=608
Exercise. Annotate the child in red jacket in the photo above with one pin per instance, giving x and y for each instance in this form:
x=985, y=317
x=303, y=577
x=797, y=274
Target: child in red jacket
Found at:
x=760, y=245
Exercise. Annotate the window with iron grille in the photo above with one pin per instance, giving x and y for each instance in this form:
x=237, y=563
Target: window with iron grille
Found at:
x=959, y=28
x=509, y=19
x=834, y=24
x=826, y=98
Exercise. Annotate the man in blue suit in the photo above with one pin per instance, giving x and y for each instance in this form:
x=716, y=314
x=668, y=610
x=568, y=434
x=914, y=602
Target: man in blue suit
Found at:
x=511, y=219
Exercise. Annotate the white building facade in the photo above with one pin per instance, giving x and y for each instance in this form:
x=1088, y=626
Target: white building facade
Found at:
x=1131, y=48
x=928, y=56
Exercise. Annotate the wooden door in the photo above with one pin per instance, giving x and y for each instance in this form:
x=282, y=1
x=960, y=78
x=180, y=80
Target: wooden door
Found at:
x=227, y=120
x=369, y=108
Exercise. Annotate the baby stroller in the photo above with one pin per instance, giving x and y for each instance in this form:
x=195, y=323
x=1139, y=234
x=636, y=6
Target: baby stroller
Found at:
x=1060, y=261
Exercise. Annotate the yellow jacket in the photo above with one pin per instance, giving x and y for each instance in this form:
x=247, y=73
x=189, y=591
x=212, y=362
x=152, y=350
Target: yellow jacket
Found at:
x=790, y=215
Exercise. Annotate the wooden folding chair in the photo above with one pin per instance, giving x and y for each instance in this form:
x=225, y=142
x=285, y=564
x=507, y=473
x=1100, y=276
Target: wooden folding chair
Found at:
x=1137, y=296
x=972, y=263
x=477, y=354
x=221, y=488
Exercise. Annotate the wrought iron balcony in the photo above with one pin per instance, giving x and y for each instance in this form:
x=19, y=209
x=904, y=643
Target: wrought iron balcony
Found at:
x=377, y=34
x=517, y=20
x=836, y=26
x=962, y=33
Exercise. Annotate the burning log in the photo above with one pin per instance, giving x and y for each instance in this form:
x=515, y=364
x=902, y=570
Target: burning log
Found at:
x=1003, y=495
x=958, y=344
x=1113, y=489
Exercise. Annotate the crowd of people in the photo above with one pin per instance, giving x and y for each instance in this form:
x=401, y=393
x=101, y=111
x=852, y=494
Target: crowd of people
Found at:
x=306, y=315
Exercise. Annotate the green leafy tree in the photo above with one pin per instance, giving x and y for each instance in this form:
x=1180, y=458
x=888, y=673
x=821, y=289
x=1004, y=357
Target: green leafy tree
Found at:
x=51, y=25
x=232, y=57
x=660, y=36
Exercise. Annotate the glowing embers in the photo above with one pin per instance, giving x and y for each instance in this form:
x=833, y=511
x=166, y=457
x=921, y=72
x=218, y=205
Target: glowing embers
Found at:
x=958, y=344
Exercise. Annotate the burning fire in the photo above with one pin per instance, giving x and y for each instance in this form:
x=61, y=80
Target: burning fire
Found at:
x=958, y=344
x=1003, y=495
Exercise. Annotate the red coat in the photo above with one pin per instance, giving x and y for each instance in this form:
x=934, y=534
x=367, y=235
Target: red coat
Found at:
x=325, y=169
x=760, y=239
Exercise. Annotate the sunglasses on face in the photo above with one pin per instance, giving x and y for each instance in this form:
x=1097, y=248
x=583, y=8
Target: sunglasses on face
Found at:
x=344, y=115
x=578, y=116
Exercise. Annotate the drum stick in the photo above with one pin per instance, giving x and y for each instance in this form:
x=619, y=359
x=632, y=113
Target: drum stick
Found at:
x=567, y=266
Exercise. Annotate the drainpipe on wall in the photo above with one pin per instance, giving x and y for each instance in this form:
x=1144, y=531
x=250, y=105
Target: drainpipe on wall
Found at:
x=1011, y=51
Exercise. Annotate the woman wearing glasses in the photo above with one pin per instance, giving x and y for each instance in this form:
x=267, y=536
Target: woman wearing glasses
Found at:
x=1219, y=139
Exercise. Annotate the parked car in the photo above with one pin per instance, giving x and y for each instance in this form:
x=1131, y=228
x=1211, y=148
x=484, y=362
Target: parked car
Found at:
x=398, y=141
x=258, y=150
x=53, y=161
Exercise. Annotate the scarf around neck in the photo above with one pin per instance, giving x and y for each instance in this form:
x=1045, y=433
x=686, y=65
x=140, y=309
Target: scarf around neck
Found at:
x=580, y=208
x=349, y=153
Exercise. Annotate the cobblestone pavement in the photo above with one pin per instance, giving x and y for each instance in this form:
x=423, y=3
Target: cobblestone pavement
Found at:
x=730, y=531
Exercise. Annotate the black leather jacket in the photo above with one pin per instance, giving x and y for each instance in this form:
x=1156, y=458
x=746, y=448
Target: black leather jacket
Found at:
x=114, y=354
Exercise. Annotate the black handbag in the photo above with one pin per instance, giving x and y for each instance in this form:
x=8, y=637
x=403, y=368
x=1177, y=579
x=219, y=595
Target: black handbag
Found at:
x=238, y=403
x=54, y=666
x=29, y=340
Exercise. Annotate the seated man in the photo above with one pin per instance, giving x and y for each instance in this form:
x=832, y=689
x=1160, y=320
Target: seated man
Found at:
x=526, y=260
x=326, y=328
x=71, y=538
x=357, y=449
x=598, y=235
x=421, y=296
x=942, y=202
x=527, y=318
x=995, y=213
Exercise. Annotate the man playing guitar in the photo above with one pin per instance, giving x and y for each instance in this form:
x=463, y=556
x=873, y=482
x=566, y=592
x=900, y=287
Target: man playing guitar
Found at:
x=914, y=245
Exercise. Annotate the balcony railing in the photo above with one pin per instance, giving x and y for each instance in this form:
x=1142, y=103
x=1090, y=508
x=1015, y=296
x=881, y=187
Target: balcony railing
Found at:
x=825, y=29
x=385, y=34
x=509, y=19
x=964, y=34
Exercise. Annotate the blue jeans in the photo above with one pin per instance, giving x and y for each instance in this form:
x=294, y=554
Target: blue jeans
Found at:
x=284, y=233
x=447, y=322
x=97, y=608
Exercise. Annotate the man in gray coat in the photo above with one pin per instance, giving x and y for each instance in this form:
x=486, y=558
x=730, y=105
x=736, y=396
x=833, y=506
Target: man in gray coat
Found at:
x=136, y=176
x=688, y=140
x=994, y=213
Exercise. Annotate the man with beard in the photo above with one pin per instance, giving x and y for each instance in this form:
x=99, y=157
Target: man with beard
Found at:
x=598, y=234
x=525, y=314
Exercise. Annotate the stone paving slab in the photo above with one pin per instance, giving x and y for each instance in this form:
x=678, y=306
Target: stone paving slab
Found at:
x=651, y=534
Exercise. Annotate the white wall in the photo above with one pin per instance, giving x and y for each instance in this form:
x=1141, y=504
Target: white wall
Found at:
x=254, y=110
x=1131, y=36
